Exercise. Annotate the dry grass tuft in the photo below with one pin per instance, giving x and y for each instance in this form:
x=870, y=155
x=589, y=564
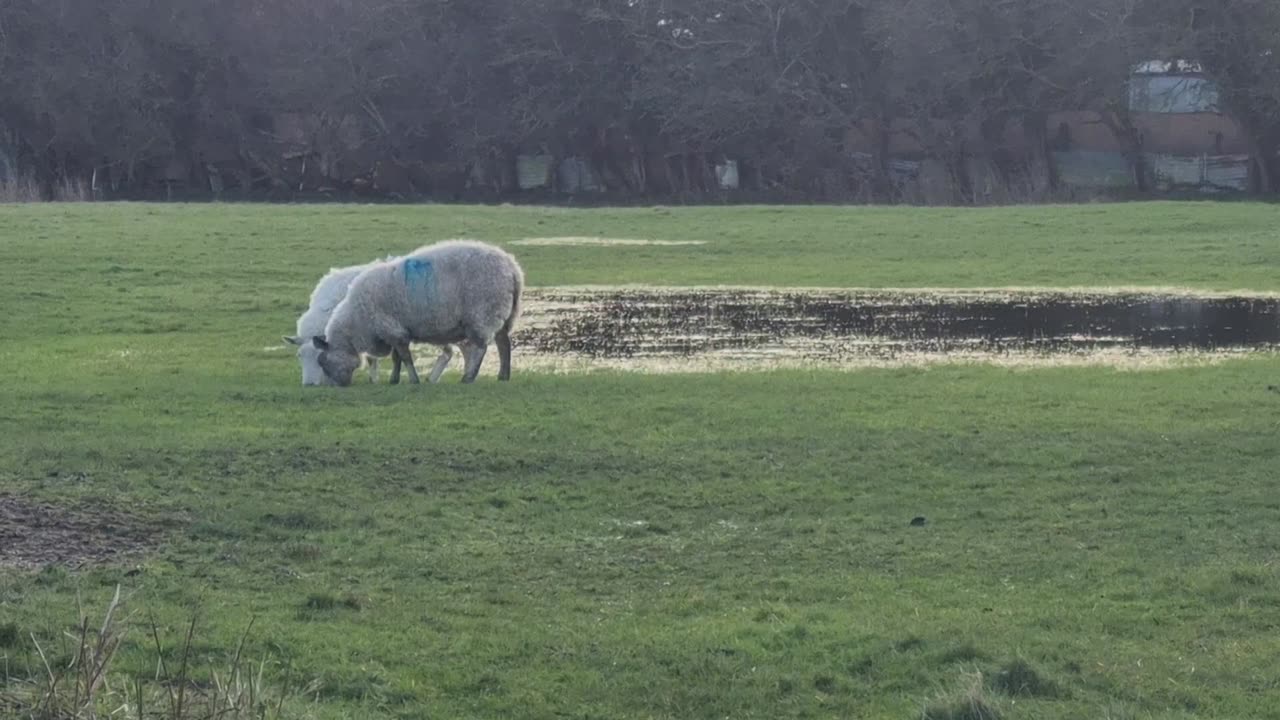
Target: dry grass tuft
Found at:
x=86, y=688
x=25, y=189
x=71, y=190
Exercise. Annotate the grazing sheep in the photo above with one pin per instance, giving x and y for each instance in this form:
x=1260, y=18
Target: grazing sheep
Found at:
x=330, y=291
x=450, y=292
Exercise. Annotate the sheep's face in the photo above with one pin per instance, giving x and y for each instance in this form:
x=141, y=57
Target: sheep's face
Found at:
x=309, y=358
x=338, y=365
x=312, y=372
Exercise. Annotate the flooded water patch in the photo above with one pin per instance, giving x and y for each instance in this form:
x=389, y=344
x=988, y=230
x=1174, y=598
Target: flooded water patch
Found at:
x=714, y=329
x=604, y=241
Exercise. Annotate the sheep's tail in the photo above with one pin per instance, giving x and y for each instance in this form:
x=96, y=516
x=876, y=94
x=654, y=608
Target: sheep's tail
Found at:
x=518, y=290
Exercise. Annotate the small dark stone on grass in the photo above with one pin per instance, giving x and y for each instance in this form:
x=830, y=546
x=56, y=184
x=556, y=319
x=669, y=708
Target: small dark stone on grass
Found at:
x=9, y=635
x=918, y=521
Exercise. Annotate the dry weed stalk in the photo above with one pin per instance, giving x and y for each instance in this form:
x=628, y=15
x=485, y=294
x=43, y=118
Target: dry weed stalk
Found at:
x=85, y=688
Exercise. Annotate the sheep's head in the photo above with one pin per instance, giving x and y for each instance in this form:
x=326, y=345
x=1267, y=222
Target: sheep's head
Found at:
x=338, y=365
x=309, y=357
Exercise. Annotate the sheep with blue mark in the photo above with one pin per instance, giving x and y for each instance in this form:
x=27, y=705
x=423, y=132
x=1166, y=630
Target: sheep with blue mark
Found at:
x=325, y=297
x=457, y=291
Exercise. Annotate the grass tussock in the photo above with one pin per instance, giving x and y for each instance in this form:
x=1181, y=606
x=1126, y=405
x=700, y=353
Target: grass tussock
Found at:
x=329, y=601
x=9, y=635
x=88, y=687
x=1019, y=678
x=969, y=703
x=965, y=652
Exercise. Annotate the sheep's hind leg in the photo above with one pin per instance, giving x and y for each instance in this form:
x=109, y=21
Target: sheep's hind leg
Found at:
x=402, y=351
x=503, y=341
x=474, y=356
x=395, y=367
x=442, y=362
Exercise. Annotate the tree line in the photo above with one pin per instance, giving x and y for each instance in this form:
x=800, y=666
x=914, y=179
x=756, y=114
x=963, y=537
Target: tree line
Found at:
x=442, y=97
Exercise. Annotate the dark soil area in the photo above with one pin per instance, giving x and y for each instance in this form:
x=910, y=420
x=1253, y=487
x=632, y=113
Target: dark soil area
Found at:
x=34, y=535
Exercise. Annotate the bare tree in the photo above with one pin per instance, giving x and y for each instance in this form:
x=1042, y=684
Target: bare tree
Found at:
x=811, y=97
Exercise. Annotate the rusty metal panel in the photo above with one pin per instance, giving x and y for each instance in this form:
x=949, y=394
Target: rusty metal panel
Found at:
x=902, y=170
x=1093, y=169
x=727, y=174
x=1230, y=172
x=533, y=171
x=576, y=175
x=1172, y=171
x=1203, y=172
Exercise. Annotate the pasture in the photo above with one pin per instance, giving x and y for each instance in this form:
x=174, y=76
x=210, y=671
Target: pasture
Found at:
x=1096, y=541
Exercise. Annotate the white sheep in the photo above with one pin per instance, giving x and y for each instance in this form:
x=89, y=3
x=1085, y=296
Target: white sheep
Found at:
x=330, y=291
x=451, y=292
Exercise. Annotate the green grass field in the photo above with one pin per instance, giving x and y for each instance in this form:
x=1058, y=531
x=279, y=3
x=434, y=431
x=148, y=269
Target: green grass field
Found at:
x=1099, y=544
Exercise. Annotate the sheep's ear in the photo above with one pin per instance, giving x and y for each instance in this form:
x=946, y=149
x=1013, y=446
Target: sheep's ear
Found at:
x=319, y=342
x=291, y=339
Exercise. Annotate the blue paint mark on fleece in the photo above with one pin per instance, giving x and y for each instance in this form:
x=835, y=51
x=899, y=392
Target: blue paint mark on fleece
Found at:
x=418, y=277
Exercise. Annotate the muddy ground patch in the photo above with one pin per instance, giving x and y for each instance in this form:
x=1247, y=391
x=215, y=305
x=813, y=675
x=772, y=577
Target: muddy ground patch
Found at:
x=676, y=329
x=34, y=534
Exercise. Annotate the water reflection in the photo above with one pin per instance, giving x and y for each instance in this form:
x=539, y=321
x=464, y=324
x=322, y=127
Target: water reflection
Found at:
x=637, y=323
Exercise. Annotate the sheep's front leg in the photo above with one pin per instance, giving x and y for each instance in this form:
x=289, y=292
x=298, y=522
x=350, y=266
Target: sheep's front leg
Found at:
x=442, y=362
x=395, y=367
x=373, y=369
x=403, y=353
